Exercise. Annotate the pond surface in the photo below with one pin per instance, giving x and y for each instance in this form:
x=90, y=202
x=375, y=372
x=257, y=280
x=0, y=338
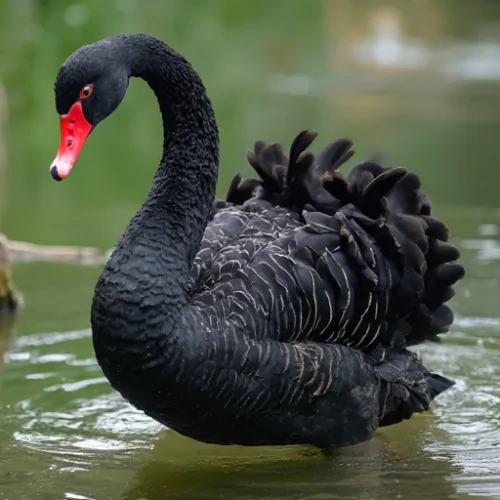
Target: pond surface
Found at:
x=66, y=434
x=419, y=84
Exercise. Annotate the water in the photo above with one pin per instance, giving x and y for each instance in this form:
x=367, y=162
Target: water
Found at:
x=419, y=84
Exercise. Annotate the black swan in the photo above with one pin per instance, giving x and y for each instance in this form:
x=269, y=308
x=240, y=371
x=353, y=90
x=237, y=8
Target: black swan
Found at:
x=279, y=316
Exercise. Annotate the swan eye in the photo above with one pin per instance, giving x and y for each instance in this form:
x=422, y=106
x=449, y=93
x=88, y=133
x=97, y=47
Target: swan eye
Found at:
x=86, y=91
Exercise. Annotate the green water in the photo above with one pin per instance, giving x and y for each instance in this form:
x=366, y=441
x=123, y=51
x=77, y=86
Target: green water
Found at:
x=272, y=69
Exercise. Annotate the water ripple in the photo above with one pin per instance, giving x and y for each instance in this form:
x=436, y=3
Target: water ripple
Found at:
x=51, y=338
x=468, y=413
x=91, y=417
x=66, y=409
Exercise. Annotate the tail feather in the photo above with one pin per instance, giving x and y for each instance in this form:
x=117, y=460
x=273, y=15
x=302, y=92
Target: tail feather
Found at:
x=410, y=387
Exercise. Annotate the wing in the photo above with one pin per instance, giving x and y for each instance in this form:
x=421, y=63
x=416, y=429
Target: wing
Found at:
x=314, y=256
x=292, y=281
x=232, y=238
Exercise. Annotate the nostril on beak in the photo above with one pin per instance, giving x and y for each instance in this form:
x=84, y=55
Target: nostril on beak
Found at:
x=54, y=173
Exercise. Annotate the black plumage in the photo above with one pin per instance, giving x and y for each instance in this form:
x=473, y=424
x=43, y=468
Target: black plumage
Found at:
x=283, y=314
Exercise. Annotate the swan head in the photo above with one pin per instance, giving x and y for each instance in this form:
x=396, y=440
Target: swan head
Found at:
x=89, y=87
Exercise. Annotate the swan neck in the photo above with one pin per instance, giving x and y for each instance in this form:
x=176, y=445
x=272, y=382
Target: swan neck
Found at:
x=180, y=199
x=144, y=281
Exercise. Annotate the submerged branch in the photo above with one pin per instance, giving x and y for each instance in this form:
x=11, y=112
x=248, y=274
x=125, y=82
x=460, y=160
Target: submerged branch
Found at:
x=22, y=251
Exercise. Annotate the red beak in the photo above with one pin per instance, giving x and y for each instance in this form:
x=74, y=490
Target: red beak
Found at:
x=74, y=131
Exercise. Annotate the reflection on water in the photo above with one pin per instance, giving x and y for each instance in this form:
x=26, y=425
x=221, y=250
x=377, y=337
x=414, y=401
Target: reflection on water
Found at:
x=469, y=414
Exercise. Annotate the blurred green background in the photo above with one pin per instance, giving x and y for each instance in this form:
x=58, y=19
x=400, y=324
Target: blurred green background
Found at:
x=417, y=81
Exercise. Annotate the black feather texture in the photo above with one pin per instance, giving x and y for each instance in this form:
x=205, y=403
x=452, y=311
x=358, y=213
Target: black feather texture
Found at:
x=283, y=314
x=373, y=211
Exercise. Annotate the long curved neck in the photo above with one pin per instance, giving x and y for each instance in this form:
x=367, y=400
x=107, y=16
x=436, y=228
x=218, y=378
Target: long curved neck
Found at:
x=183, y=189
x=143, y=284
